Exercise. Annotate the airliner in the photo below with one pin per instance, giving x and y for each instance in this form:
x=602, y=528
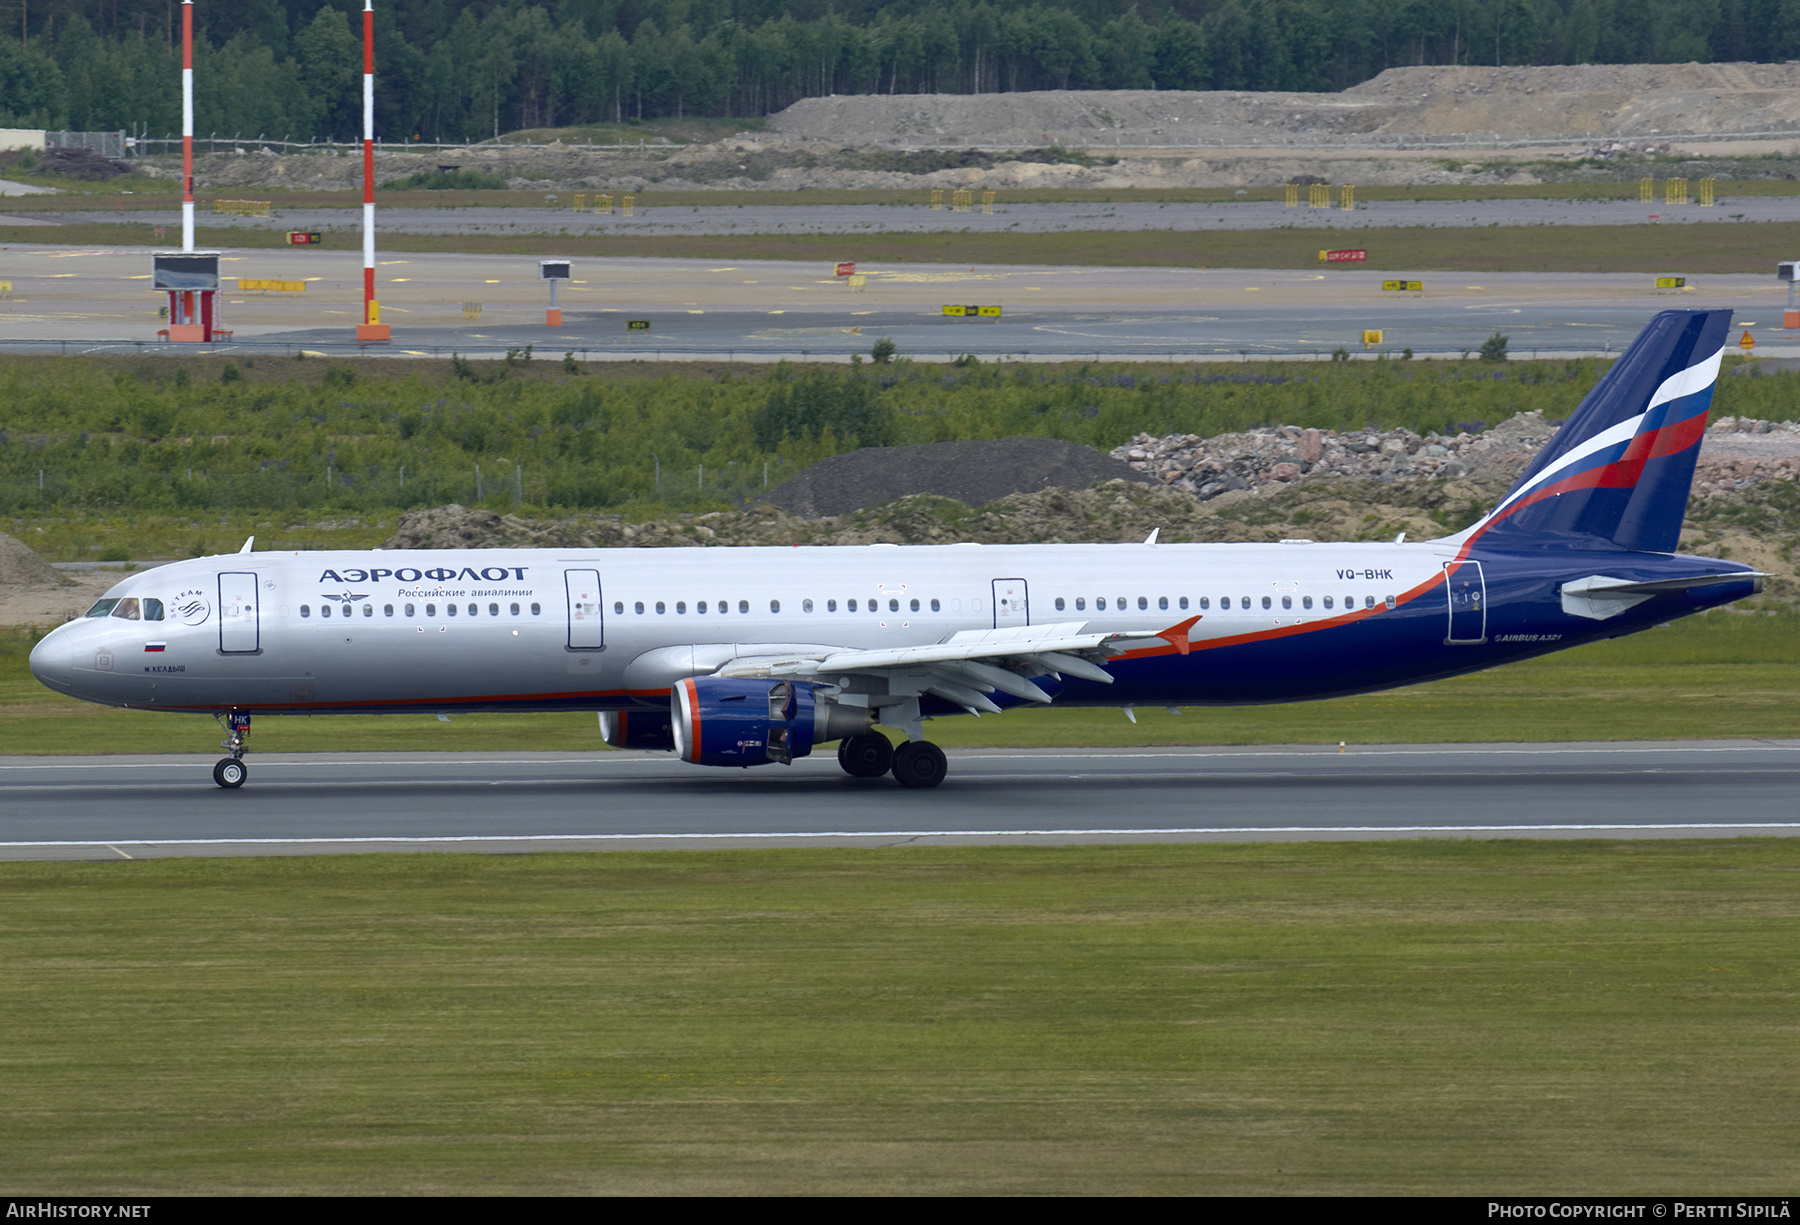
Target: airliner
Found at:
x=756, y=656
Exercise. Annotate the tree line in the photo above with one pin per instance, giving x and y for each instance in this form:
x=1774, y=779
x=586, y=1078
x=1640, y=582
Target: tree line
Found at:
x=454, y=70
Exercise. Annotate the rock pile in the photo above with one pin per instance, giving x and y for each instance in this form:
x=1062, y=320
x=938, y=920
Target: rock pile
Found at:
x=1263, y=459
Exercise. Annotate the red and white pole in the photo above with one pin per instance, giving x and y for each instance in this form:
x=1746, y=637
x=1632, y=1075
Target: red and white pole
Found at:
x=187, y=125
x=369, y=308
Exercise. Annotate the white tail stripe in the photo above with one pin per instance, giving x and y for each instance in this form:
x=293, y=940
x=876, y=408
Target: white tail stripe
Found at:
x=1697, y=377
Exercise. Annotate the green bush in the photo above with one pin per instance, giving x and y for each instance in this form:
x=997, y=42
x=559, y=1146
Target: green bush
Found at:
x=453, y=180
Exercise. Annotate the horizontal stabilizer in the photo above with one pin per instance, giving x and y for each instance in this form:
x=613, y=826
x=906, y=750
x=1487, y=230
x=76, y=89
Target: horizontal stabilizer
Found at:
x=1599, y=596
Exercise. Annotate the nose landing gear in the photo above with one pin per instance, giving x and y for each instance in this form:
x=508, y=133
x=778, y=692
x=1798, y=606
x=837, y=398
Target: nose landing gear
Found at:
x=230, y=772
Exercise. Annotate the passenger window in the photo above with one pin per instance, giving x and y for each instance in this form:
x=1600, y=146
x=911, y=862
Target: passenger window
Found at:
x=915, y=606
x=1393, y=602
x=536, y=609
x=681, y=607
x=934, y=606
x=1328, y=601
x=1162, y=601
x=1059, y=603
x=153, y=610
x=449, y=610
x=830, y=605
x=1100, y=602
x=638, y=607
x=1144, y=603
x=306, y=610
x=1287, y=601
x=852, y=605
x=1306, y=601
x=1368, y=601
x=660, y=608
x=431, y=610
x=1121, y=603
x=618, y=607
x=368, y=610
x=893, y=604
x=805, y=605
x=1080, y=603
x=1244, y=602
x=1267, y=602
x=743, y=606
x=387, y=610
x=1205, y=602
x=774, y=606
x=474, y=609
x=102, y=608
x=494, y=610
x=409, y=610
x=324, y=610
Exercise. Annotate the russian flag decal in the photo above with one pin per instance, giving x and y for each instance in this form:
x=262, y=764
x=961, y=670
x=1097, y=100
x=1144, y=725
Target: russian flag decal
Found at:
x=155, y=646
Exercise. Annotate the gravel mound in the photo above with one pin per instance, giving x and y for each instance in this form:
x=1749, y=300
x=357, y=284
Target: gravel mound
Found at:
x=973, y=473
x=21, y=567
x=1437, y=103
x=459, y=527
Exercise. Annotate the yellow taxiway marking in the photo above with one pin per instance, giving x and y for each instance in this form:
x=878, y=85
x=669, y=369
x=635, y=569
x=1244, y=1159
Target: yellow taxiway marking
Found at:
x=724, y=269
x=696, y=312
x=398, y=280
x=490, y=282
x=778, y=312
x=385, y=262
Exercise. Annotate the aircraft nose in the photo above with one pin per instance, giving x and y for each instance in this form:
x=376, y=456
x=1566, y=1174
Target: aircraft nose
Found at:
x=51, y=662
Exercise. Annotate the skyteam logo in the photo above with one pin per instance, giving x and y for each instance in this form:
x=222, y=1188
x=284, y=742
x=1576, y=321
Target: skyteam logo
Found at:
x=192, y=607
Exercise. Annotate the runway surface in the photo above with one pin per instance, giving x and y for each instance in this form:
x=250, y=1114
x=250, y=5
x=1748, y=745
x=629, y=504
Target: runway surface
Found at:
x=146, y=807
x=77, y=300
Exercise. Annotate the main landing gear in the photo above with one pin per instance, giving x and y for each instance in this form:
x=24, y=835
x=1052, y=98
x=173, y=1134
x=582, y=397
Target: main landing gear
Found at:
x=230, y=772
x=917, y=763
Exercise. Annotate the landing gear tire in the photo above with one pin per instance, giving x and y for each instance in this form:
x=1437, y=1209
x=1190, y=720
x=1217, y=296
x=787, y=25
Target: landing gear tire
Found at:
x=230, y=773
x=866, y=756
x=919, y=763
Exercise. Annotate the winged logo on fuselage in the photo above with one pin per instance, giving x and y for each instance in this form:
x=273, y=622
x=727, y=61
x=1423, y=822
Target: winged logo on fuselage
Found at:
x=346, y=598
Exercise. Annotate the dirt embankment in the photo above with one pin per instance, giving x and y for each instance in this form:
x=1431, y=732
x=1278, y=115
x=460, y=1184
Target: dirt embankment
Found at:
x=1370, y=134
x=1263, y=485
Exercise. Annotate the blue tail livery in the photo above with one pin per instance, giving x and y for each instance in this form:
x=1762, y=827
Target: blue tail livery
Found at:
x=1619, y=470
x=752, y=656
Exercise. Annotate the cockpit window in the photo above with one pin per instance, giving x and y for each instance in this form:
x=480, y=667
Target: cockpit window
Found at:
x=153, y=610
x=102, y=608
x=127, y=609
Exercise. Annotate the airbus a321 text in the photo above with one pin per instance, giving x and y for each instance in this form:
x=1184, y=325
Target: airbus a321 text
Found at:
x=747, y=657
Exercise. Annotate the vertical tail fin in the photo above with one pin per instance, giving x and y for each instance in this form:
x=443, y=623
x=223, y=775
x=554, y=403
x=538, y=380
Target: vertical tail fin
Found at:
x=1619, y=470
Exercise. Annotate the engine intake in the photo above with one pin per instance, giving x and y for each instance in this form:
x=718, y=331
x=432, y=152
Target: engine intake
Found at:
x=731, y=721
x=637, y=729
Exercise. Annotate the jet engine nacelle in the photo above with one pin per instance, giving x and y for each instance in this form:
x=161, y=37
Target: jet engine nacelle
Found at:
x=731, y=721
x=637, y=729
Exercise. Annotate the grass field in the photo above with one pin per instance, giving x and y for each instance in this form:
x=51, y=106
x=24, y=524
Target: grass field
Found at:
x=1716, y=676
x=1675, y=248
x=1450, y=1017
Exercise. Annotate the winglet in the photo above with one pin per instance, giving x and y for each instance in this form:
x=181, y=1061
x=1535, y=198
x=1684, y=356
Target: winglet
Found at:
x=1151, y=538
x=247, y=544
x=1177, y=635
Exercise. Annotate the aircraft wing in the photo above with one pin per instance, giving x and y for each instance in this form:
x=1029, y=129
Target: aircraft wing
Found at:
x=968, y=666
